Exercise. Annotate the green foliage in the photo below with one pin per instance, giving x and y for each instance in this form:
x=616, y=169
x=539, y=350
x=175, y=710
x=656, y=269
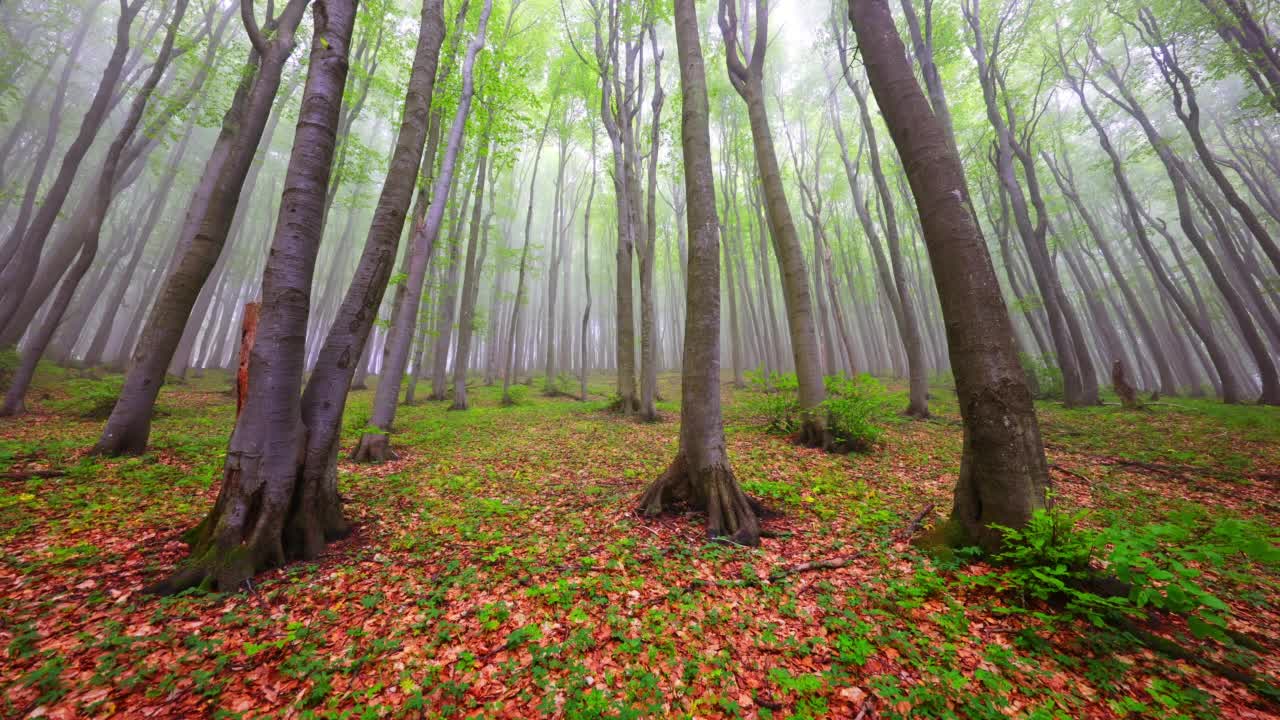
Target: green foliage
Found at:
x=771, y=382
x=1053, y=558
x=8, y=365
x=773, y=400
x=518, y=395
x=780, y=411
x=855, y=408
x=1043, y=374
x=89, y=398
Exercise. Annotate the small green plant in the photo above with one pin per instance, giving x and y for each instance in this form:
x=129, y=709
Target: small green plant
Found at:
x=779, y=411
x=517, y=395
x=855, y=408
x=89, y=398
x=1043, y=374
x=1052, y=558
x=8, y=365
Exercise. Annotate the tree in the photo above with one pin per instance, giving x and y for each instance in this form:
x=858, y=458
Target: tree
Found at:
x=374, y=445
x=325, y=397
x=1003, y=473
x=701, y=474
x=261, y=517
x=746, y=73
x=209, y=216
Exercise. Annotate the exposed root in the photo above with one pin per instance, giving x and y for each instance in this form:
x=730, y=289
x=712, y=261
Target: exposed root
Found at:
x=251, y=528
x=814, y=433
x=714, y=490
x=916, y=413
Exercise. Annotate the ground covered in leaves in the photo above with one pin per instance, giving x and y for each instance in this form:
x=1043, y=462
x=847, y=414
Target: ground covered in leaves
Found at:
x=497, y=570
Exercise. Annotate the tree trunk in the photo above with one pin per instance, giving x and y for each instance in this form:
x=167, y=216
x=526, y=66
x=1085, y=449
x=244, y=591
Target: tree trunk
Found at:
x=266, y=513
x=748, y=80
x=1003, y=473
x=374, y=445
x=701, y=475
x=471, y=278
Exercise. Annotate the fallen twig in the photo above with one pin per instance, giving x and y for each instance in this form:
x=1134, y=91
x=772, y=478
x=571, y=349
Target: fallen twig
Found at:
x=1072, y=473
x=29, y=474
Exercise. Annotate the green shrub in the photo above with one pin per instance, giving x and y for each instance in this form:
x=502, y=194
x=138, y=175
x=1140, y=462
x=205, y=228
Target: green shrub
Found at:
x=89, y=398
x=775, y=381
x=1043, y=374
x=563, y=384
x=8, y=365
x=856, y=408
x=518, y=395
x=780, y=411
x=1053, y=558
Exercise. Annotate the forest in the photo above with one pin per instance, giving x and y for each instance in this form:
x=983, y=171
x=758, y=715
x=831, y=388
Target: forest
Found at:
x=640, y=358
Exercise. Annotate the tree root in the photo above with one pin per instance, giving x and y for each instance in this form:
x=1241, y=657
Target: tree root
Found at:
x=714, y=490
x=29, y=474
x=373, y=448
x=1071, y=473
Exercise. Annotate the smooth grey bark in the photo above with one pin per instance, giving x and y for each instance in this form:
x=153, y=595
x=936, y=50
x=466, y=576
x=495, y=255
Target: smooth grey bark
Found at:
x=700, y=475
x=476, y=248
x=585, y=362
x=446, y=297
x=209, y=215
x=266, y=512
x=746, y=74
x=646, y=251
x=1003, y=472
x=374, y=444
x=558, y=241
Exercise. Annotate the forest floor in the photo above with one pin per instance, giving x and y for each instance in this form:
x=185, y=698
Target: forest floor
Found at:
x=497, y=570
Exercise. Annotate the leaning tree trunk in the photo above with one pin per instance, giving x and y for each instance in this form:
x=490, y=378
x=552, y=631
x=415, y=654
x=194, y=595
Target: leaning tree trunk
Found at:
x=701, y=475
x=100, y=204
x=266, y=513
x=129, y=427
x=1003, y=473
x=748, y=80
x=907, y=319
x=375, y=445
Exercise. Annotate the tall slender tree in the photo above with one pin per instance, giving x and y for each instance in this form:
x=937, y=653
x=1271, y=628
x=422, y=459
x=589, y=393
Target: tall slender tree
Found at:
x=701, y=474
x=262, y=516
x=1003, y=472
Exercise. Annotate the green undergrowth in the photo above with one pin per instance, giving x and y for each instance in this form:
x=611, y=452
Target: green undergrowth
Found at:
x=497, y=569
